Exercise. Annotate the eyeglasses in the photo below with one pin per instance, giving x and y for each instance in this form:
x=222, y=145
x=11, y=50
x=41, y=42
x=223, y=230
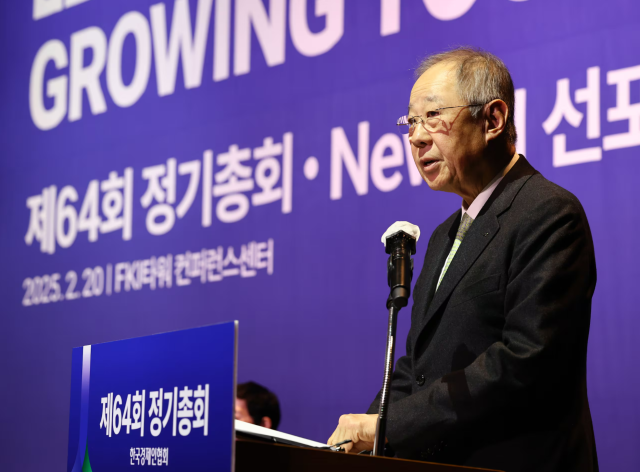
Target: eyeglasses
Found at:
x=432, y=123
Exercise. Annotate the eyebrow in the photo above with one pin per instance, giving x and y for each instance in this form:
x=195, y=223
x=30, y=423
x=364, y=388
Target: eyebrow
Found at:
x=428, y=98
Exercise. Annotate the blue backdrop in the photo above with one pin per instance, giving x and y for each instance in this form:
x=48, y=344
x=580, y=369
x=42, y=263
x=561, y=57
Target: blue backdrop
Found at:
x=173, y=164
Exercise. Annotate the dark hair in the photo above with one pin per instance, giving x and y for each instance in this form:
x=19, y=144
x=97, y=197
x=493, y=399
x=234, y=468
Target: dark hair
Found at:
x=260, y=402
x=481, y=77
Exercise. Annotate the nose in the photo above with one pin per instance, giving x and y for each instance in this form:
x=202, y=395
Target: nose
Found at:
x=420, y=137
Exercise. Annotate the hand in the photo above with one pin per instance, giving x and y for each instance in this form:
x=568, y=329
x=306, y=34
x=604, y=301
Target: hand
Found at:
x=361, y=429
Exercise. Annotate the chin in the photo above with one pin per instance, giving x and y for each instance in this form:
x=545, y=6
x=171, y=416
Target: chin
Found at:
x=435, y=184
x=441, y=181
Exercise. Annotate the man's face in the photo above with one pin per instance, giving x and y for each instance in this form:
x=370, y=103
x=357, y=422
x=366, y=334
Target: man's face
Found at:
x=242, y=412
x=447, y=157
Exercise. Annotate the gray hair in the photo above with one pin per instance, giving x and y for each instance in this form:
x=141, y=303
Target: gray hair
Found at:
x=481, y=78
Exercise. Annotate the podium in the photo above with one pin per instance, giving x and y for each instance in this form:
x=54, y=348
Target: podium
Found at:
x=252, y=456
x=197, y=363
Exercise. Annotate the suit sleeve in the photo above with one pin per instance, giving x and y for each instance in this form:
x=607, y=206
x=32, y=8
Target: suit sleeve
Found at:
x=550, y=282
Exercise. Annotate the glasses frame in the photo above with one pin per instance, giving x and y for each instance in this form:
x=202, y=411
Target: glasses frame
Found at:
x=423, y=120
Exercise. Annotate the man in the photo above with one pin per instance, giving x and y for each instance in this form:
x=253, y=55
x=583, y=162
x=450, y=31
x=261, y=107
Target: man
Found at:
x=495, y=370
x=257, y=405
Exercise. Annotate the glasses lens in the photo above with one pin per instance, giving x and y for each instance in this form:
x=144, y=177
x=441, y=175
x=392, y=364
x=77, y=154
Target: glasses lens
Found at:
x=432, y=124
x=403, y=124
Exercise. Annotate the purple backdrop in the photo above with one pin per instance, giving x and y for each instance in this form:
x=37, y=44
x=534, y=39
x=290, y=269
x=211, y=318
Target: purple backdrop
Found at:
x=183, y=163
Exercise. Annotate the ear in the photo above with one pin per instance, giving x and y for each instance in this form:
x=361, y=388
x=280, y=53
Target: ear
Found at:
x=266, y=422
x=496, y=118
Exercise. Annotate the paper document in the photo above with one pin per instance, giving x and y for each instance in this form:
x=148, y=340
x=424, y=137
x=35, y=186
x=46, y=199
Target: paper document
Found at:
x=276, y=436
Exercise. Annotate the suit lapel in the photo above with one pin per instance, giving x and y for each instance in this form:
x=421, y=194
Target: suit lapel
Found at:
x=425, y=284
x=480, y=234
x=434, y=263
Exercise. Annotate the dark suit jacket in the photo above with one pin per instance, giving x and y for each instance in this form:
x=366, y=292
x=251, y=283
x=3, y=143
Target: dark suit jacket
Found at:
x=495, y=370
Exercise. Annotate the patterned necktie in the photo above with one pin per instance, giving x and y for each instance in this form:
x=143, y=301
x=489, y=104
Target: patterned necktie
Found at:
x=465, y=224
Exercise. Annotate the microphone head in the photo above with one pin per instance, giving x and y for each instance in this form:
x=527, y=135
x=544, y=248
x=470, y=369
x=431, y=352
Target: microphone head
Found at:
x=401, y=232
x=400, y=241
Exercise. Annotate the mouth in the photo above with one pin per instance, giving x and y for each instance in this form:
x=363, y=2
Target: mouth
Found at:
x=428, y=164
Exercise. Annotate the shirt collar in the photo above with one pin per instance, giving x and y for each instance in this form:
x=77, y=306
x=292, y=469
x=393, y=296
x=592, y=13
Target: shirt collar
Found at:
x=481, y=199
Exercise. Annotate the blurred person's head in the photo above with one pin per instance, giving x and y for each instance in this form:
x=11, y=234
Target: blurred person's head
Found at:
x=257, y=405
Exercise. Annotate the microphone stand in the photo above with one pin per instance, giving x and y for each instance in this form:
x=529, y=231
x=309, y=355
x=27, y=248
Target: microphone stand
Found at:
x=400, y=246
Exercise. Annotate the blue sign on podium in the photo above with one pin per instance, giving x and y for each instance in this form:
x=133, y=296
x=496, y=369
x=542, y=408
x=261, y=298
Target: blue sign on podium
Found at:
x=163, y=402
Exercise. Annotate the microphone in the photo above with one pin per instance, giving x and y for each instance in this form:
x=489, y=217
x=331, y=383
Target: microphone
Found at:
x=400, y=246
x=400, y=243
